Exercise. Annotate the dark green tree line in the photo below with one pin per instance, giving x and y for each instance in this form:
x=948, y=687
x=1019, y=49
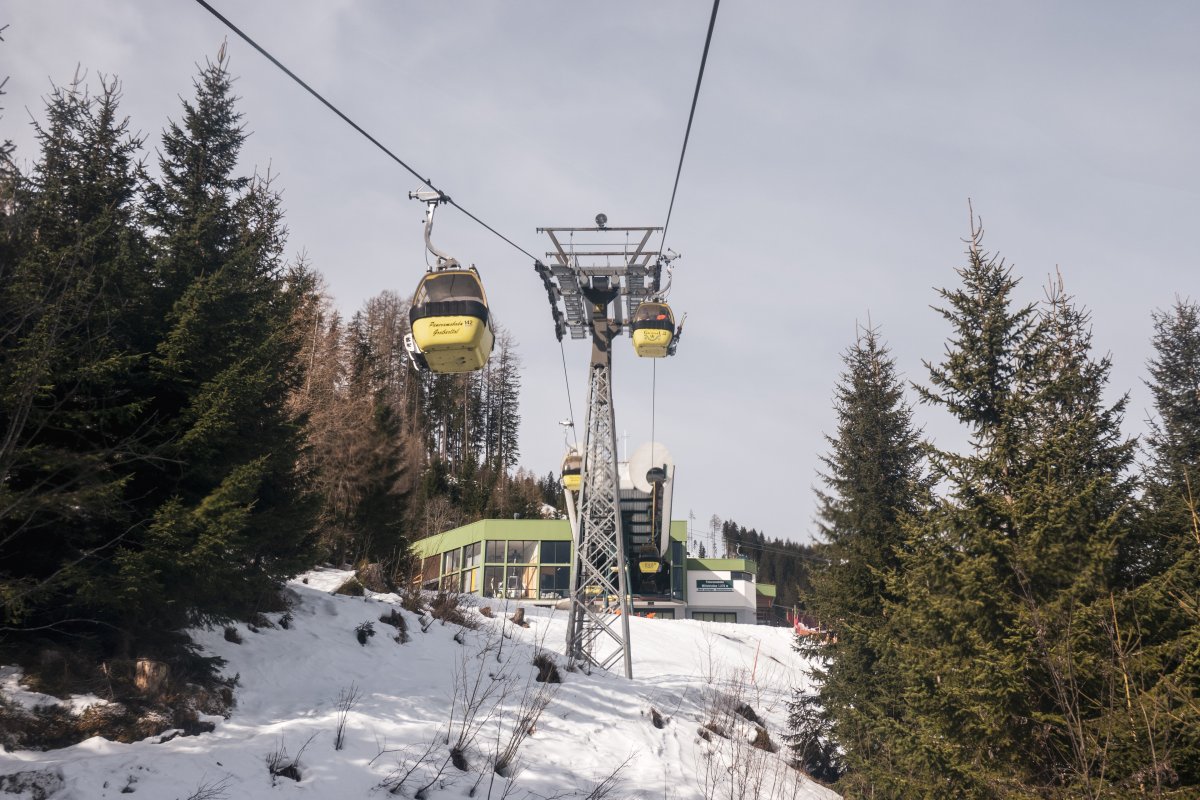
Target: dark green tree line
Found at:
x=150, y=458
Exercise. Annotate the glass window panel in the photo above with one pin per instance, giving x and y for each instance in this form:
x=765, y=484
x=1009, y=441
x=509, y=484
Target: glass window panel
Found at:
x=556, y=552
x=471, y=555
x=493, y=581
x=450, y=561
x=469, y=581
x=554, y=582
x=452, y=286
x=521, y=582
x=521, y=551
x=495, y=552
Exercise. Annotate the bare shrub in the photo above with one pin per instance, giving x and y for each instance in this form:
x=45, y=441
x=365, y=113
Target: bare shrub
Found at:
x=410, y=760
x=212, y=790
x=282, y=765
x=477, y=691
x=737, y=759
x=347, y=698
x=364, y=631
x=534, y=698
x=609, y=784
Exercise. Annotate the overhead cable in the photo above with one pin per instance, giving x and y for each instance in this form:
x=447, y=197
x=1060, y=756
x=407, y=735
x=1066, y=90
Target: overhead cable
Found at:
x=691, y=115
x=442, y=196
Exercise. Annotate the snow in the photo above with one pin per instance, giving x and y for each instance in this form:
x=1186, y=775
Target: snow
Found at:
x=293, y=683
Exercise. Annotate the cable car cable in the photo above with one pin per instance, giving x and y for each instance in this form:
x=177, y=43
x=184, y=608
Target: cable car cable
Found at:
x=691, y=114
x=567, y=381
x=442, y=195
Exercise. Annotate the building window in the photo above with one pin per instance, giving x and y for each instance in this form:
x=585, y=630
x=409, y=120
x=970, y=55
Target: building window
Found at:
x=471, y=555
x=493, y=581
x=520, y=582
x=450, y=561
x=556, y=552
x=495, y=552
x=449, y=583
x=715, y=616
x=469, y=580
x=554, y=582
x=522, y=551
x=741, y=576
x=429, y=572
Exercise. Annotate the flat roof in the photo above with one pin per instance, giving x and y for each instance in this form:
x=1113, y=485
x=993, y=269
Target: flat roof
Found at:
x=508, y=529
x=723, y=564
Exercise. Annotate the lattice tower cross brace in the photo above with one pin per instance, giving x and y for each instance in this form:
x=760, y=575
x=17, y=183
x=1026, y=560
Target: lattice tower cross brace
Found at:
x=598, y=629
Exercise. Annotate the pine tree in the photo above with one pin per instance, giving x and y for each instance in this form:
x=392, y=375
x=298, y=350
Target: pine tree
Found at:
x=873, y=475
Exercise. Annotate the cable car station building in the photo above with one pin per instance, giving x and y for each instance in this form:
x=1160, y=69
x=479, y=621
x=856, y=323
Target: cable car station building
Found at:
x=530, y=560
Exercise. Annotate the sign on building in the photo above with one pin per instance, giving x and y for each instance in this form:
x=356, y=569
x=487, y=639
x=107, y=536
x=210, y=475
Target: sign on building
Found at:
x=708, y=585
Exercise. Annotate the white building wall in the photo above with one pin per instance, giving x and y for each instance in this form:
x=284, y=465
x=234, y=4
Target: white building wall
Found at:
x=716, y=590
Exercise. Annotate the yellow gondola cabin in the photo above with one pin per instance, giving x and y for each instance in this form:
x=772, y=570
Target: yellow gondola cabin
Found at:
x=451, y=327
x=652, y=328
x=572, y=471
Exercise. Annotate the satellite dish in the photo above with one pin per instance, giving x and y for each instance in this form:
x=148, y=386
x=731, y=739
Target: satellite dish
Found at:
x=651, y=463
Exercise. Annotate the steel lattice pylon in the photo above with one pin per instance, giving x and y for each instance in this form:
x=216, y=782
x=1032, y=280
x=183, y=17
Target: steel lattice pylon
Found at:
x=598, y=630
x=599, y=281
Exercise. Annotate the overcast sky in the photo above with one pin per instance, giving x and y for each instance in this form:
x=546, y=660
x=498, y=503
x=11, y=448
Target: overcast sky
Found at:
x=832, y=157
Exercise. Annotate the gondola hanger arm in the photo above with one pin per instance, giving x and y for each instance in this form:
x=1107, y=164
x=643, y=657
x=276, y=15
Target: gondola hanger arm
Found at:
x=431, y=199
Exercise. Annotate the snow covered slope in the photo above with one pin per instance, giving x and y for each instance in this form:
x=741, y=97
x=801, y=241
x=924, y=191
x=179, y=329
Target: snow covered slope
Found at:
x=681, y=729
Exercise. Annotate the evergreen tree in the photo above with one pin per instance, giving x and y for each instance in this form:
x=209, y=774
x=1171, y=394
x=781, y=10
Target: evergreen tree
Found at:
x=873, y=475
x=503, y=406
x=228, y=520
x=73, y=284
x=1003, y=581
x=1156, y=623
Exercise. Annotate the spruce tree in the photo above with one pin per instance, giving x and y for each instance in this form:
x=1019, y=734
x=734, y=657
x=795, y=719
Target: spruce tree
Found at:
x=1004, y=580
x=873, y=483
x=1155, y=624
x=73, y=287
x=228, y=521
